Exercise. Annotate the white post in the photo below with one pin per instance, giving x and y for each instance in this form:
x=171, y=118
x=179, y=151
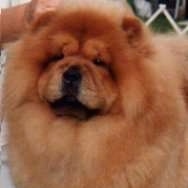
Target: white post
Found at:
x=162, y=10
x=172, y=22
x=177, y=8
x=162, y=7
x=185, y=30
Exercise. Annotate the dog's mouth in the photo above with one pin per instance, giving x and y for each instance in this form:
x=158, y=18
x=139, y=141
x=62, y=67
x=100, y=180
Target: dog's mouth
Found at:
x=72, y=107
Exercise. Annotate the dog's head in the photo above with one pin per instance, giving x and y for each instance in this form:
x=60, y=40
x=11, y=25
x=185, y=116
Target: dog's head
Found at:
x=81, y=53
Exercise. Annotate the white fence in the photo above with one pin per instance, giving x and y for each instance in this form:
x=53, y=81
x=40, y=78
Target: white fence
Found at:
x=163, y=10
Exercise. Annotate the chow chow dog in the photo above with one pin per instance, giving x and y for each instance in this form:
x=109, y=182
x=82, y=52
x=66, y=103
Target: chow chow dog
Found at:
x=93, y=99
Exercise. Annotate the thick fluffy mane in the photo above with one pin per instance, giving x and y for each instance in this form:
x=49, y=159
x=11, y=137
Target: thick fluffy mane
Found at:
x=115, y=9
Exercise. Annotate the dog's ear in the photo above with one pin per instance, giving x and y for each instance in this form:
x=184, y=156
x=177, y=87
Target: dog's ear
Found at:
x=41, y=21
x=133, y=29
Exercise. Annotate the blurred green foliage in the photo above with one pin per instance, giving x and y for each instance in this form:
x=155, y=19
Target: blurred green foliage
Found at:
x=131, y=3
x=161, y=25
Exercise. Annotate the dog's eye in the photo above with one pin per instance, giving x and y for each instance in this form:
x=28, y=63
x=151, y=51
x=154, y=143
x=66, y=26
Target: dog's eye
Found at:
x=99, y=62
x=56, y=58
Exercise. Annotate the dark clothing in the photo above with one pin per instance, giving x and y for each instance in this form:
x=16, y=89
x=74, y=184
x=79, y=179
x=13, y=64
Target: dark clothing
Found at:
x=187, y=9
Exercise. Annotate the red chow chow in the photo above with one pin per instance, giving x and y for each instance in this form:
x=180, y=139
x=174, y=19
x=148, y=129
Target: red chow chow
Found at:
x=93, y=100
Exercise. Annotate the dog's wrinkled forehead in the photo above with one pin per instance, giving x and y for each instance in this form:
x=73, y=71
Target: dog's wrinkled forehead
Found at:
x=76, y=31
x=84, y=26
x=89, y=48
x=79, y=23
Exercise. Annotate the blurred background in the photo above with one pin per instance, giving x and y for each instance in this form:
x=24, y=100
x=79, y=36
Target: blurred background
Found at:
x=9, y=3
x=177, y=9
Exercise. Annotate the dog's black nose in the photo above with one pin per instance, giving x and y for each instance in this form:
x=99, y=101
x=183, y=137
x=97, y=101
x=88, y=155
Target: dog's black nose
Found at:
x=71, y=81
x=72, y=75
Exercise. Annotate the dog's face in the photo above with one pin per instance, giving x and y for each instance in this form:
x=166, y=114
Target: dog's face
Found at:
x=79, y=53
x=78, y=80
